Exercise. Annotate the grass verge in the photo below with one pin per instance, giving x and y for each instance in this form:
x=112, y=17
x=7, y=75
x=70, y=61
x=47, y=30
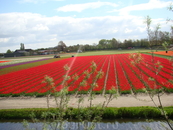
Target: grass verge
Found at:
x=108, y=113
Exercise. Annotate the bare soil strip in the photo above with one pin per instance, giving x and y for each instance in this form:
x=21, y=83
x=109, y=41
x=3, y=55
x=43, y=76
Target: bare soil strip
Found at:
x=121, y=101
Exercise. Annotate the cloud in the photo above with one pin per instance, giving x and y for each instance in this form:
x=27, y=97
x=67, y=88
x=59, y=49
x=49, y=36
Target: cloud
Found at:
x=128, y=30
x=152, y=4
x=81, y=7
x=38, y=31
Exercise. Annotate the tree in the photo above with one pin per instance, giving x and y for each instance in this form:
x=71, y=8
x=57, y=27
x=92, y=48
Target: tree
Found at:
x=144, y=43
x=103, y=42
x=114, y=43
x=148, y=22
x=165, y=45
x=156, y=34
x=128, y=43
x=22, y=47
x=170, y=8
x=61, y=46
x=164, y=36
x=8, y=51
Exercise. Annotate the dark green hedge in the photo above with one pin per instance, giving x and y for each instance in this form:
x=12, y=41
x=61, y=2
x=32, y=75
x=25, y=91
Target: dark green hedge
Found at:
x=108, y=113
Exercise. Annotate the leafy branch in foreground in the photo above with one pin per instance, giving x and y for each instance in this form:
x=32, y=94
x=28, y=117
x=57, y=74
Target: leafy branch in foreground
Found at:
x=50, y=85
x=137, y=59
x=63, y=113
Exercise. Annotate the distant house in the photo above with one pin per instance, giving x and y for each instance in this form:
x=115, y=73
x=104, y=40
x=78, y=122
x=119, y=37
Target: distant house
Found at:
x=79, y=51
x=18, y=53
x=42, y=52
x=46, y=51
x=2, y=55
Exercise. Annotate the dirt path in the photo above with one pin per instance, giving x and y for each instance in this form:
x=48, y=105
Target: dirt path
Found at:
x=121, y=101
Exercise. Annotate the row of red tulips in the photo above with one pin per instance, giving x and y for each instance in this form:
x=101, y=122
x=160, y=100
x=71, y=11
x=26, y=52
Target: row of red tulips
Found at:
x=118, y=73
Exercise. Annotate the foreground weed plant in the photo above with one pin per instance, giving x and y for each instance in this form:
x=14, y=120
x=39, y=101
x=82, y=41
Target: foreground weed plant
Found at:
x=89, y=117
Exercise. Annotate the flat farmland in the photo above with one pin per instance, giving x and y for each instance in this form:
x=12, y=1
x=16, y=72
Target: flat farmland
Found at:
x=119, y=73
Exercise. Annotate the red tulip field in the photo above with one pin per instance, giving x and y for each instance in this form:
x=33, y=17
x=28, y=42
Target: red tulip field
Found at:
x=119, y=73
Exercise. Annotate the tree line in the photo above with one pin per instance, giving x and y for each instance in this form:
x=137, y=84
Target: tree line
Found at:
x=157, y=38
x=156, y=41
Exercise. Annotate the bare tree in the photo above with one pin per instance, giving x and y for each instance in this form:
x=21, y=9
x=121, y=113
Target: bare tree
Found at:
x=148, y=23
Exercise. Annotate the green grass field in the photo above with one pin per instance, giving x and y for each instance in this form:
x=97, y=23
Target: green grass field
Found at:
x=108, y=52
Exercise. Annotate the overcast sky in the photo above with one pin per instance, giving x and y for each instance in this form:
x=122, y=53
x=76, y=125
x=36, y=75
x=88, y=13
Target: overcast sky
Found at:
x=43, y=23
